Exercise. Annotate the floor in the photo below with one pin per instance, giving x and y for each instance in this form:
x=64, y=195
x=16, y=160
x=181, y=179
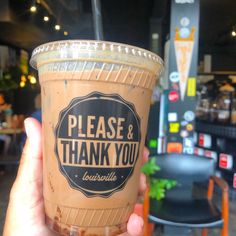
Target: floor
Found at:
x=7, y=179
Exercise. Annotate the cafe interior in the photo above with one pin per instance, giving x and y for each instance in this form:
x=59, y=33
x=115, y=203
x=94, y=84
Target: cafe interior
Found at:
x=191, y=131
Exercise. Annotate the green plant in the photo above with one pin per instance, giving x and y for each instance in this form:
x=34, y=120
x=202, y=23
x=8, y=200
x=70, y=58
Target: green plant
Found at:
x=158, y=186
x=9, y=78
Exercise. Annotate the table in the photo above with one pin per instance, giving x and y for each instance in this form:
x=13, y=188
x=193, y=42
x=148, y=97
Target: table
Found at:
x=10, y=131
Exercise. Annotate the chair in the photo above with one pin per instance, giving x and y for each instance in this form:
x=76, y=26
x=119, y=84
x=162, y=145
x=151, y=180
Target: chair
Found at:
x=180, y=209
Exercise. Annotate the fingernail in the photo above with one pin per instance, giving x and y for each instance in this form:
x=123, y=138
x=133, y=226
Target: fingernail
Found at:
x=139, y=221
x=135, y=225
x=27, y=127
x=146, y=152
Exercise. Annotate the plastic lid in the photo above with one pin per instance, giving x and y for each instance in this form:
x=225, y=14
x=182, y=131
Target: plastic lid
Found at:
x=91, y=50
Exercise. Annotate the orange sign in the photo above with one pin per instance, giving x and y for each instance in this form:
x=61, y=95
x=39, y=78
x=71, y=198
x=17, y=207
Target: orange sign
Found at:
x=174, y=147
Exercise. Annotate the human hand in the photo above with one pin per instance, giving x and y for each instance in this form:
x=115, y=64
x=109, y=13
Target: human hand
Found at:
x=25, y=213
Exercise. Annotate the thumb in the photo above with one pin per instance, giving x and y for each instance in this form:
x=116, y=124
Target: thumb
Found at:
x=134, y=226
x=25, y=208
x=31, y=157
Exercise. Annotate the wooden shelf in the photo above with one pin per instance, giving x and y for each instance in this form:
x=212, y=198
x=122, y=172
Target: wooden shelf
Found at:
x=219, y=73
x=225, y=131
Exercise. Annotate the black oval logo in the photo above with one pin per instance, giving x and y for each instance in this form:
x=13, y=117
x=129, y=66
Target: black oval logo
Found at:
x=97, y=143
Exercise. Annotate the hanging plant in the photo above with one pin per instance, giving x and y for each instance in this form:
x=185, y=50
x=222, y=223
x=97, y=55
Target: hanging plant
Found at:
x=13, y=79
x=9, y=79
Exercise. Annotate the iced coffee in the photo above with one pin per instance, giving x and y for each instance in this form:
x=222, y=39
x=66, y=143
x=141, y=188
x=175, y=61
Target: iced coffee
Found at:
x=95, y=105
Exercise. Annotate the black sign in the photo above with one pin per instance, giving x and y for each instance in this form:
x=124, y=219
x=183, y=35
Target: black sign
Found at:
x=182, y=75
x=97, y=143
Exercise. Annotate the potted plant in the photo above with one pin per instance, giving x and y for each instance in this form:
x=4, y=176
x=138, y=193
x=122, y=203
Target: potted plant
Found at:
x=157, y=187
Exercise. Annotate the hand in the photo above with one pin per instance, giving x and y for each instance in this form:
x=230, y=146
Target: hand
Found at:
x=25, y=213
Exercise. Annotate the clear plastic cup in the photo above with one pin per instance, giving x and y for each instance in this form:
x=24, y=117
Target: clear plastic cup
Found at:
x=95, y=105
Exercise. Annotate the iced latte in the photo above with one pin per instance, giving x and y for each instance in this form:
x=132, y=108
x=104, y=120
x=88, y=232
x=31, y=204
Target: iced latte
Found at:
x=95, y=104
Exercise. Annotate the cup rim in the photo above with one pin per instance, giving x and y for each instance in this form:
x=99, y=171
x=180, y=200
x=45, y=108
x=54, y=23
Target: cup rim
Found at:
x=94, y=46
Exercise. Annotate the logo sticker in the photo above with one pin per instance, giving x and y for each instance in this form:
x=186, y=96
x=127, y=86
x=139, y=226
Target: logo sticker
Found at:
x=173, y=96
x=184, y=123
x=188, y=150
x=191, y=92
x=174, y=127
x=175, y=86
x=189, y=116
x=97, y=143
x=174, y=77
x=189, y=127
x=211, y=154
x=172, y=116
x=184, y=32
x=184, y=133
x=185, y=21
x=184, y=44
x=188, y=142
x=226, y=161
x=184, y=1
x=199, y=151
x=204, y=140
x=174, y=147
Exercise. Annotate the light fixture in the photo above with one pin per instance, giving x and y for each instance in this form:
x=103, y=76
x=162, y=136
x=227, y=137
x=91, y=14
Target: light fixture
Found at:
x=23, y=78
x=65, y=33
x=22, y=84
x=33, y=8
x=46, y=18
x=32, y=79
x=57, y=27
x=233, y=32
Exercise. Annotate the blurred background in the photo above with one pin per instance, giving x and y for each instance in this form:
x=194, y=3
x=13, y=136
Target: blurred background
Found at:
x=211, y=131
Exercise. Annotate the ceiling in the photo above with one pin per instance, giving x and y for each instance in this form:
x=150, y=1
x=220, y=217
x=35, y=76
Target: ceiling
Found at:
x=217, y=18
x=123, y=21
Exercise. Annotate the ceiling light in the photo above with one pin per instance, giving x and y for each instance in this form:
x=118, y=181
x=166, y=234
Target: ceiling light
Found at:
x=155, y=36
x=233, y=33
x=65, y=33
x=46, y=18
x=57, y=27
x=22, y=84
x=23, y=78
x=32, y=79
x=33, y=8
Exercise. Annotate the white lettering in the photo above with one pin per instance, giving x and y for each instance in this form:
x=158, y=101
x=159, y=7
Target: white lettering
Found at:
x=184, y=1
x=96, y=127
x=110, y=177
x=71, y=124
